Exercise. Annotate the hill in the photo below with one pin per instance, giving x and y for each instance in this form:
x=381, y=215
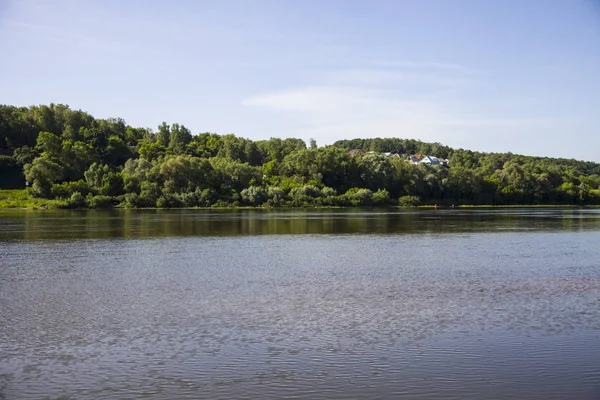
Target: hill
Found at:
x=80, y=161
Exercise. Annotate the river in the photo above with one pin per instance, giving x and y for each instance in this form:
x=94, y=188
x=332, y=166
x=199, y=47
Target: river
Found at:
x=300, y=304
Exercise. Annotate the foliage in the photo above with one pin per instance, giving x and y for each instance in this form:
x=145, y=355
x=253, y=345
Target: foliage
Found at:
x=381, y=197
x=72, y=159
x=66, y=189
x=77, y=200
x=104, y=180
x=42, y=172
x=409, y=201
x=23, y=199
x=99, y=201
x=254, y=195
x=359, y=197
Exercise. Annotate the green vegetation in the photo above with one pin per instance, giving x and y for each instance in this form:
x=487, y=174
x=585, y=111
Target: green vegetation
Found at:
x=74, y=160
x=15, y=198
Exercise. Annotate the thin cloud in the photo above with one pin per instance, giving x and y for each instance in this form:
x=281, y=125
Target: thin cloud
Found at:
x=424, y=65
x=398, y=77
x=330, y=113
x=507, y=122
x=367, y=90
x=316, y=99
x=64, y=36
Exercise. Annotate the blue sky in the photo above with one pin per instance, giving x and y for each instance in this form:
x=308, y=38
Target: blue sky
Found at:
x=510, y=75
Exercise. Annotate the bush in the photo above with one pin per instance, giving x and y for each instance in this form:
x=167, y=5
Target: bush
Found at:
x=189, y=199
x=67, y=189
x=359, y=197
x=328, y=192
x=335, y=201
x=104, y=179
x=254, y=196
x=364, y=197
x=289, y=183
x=149, y=194
x=100, y=201
x=276, y=196
x=132, y=200
x=381, y=197
x=207, y=197
x=302, y=200
x=221, y=203
x=76, y=201
x=306, y=190
x=409, y=201
x=169, y=201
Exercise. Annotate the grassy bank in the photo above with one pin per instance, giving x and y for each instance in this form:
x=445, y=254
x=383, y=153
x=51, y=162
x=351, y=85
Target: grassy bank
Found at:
x=21, y=199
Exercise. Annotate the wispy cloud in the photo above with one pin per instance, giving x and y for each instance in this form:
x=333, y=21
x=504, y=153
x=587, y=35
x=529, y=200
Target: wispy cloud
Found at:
x=399, y=101
x=395, y=77
x=349, y=89
x=63, y=35
x=428, y=66
x=318, y=99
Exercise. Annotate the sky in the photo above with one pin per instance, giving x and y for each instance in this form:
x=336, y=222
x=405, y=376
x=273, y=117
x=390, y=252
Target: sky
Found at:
x=494, y=76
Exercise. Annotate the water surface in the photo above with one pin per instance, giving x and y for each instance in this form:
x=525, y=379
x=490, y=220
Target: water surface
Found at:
x=446, y=304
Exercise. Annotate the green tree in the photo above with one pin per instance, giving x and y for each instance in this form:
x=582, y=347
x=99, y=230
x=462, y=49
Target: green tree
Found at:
x=254, y=195
x=117, y=151
x=163, y=136
x=185, y=173
x=234, y=174
x=151, y=150
x=381, y=197
x=50, y=146
x=104, y=180
x=179, y=138
x=24, y=155
x=42, y=172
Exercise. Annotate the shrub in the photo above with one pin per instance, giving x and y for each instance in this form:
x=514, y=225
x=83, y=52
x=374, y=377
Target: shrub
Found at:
x=207, y=197
x=409, y=201
x=169, y=201
x=337, y=201
x=381, y=197
x=76, y=201
x=276, y=196
x=132, y=200
x=221, y=203
x=306, y=190
x=359, y=197
x=301, y=200
x=100, y=201
x=189, y=199
x=289, y=183
x=328, y=192
x=67, y=189
x=149, y=194
x=254, y=195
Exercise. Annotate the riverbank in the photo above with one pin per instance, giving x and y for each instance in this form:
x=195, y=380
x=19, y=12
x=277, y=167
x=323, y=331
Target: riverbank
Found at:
x=20, y=199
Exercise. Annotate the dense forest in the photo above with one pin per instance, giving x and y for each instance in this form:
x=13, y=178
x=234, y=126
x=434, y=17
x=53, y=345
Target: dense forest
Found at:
x=80, y=161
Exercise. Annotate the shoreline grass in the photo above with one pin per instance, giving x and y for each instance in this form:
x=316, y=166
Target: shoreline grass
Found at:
x=20, y=199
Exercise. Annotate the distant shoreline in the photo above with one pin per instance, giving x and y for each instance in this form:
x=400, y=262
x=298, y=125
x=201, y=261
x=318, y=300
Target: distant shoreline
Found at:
x=18, y=199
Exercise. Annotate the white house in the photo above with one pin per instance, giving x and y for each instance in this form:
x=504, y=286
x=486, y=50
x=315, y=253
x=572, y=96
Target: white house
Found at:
x=429, y=160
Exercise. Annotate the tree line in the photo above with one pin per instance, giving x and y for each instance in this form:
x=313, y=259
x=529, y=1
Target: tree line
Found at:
x=82, y=161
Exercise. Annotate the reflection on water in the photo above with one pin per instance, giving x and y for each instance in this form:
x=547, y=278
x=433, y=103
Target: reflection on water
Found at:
x=195, y=304
x=35, y=224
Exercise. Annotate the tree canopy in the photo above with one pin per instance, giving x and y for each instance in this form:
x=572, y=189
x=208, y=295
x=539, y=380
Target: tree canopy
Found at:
x=68, y=154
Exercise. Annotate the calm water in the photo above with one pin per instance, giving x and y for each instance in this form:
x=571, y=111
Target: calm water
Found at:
x=447, y=304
